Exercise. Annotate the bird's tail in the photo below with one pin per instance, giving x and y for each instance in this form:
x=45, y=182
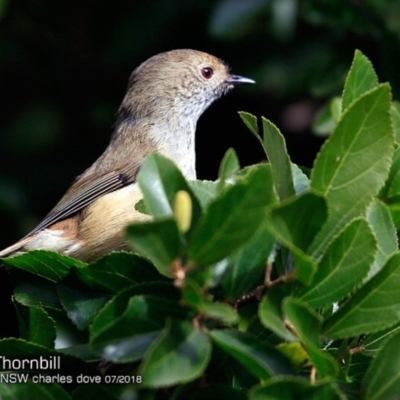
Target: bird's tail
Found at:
x=15, y=249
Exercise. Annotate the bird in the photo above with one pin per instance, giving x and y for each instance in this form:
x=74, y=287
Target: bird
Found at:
x=165, y=97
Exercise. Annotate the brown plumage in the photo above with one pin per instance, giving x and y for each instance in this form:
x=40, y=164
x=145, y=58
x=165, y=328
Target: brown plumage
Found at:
x=165, y=97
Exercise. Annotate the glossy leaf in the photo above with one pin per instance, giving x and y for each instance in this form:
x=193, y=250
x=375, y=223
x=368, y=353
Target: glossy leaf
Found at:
x=46, y=264
x=275, y=148
x=18, y=349
x=246, y=268
x=295, y=223
x=344, y=265
x=116, y=271
x=360, y=79
x=300, y=180
x=271, y=315
x=127, y=349
x=232, y=218
x=250, y=121
x=382, y=380
x=395, y=111
x=354, y=162
x=260, y=358
x=32, y=291
x=373, y=307
x=127, y=338
x=307, y=327
x=205, y=191
x=378, y=216
x=159, y=180
x=195, y=297
x=180, y=354
x=131, y=314
x=81, y=306
x=158, y=240
x=326, y=119
x=36, y=326
x=229, y=166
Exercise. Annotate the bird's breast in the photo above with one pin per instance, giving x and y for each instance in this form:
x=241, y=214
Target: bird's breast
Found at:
x=178, y=144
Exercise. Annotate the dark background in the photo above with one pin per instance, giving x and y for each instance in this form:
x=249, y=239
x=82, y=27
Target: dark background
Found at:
x=64, y=66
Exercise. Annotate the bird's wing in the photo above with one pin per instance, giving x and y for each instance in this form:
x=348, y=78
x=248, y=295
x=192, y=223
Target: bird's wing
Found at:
x=109, y=173
x=81, y=194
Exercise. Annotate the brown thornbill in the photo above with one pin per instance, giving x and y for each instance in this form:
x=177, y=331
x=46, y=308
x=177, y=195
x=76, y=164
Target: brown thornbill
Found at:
x=165, y=97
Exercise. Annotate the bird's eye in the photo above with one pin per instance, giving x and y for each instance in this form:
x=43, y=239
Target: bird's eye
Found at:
x=207, y=72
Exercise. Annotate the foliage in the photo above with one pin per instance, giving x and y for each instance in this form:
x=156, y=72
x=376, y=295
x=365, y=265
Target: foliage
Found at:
x=64, y=69
x=266, y=284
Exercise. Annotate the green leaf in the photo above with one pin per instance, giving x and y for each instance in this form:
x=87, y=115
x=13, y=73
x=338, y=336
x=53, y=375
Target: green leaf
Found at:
x=372, y=343
x=260, y=358
x=32, y=291
x=344, y=265
x=246, y=267
x=47, y=264
x=300, y=180
x=326, y=120
x=307, y=327
x=275, y=148
x=291, y=388
x=222, y=312
x=295, y=223
x=159, y=180
x=158, y=240
x=30, y=390
x=232, y=218
x=180, y=354
x=117, y=309
x=36, y=326
x=378, y=216
x=129, y=324
x=360, y=79
x=81, y=306
x=116, y=271
x=395, y=110
x=194, y=297
x=83, y=352
x=395, y=213
x=336, y=108
x=394, y=187
x=296, y=353
x=391, y=191
x=127, y=349
x=18, y=349
x=270, y=313
x=250, y=121
x=205, y=191
x=354, y=162
x=229, y=166
x=141, y=207
x=382, y=380
x=375, y=306
x=127, y=338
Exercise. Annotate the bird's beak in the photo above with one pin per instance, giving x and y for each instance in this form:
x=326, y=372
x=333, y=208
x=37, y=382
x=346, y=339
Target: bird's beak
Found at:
x=239, y=80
